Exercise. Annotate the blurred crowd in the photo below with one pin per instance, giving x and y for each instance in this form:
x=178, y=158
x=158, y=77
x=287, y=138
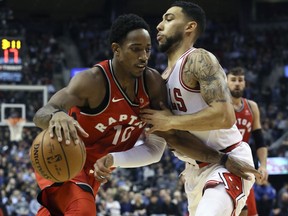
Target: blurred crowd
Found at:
x=156, y=189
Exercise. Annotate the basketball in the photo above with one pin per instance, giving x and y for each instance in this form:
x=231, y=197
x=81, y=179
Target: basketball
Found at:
x=56, y=161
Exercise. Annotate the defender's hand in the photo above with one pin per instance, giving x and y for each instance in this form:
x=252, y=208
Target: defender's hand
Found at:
x=158, y=119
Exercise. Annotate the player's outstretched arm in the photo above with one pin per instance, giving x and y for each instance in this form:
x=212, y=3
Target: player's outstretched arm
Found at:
x=147, y=153
x=261, y=148
x=191, y=146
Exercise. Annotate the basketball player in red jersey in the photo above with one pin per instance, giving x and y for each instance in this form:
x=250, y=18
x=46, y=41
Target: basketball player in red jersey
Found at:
x=200, y=103
x=248, y=122
x=103, y=105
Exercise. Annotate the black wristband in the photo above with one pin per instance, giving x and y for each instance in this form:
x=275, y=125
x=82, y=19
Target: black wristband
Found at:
x=224, y=159
x=56, y=111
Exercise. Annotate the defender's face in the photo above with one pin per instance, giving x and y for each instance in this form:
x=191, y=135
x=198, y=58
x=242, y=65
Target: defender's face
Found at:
x=171, y=29
x=134, y=52
x=236, y=85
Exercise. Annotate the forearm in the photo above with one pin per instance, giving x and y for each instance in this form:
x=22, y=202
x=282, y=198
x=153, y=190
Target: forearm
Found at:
x=149, y=152
x=262, y=154
x=214, y=117
x=191, y=146
x=43, y=116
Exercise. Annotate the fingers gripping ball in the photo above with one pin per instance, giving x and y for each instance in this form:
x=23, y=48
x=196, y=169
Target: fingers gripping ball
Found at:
x=56, y=161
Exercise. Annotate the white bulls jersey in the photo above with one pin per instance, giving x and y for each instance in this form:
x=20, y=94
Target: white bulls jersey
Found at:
x=184, y=100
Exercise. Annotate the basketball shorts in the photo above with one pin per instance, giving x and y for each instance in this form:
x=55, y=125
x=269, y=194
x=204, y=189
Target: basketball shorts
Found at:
x=198, y=179
x=67, y=199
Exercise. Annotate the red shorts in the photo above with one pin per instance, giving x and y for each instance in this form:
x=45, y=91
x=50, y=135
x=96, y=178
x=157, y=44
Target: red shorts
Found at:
x=67, y=199
x=251, y=204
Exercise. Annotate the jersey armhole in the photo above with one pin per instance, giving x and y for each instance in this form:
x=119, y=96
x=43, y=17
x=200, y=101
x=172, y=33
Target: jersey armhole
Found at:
x=249, y=107
x=104, y=103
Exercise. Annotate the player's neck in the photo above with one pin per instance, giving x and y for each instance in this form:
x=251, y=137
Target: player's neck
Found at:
x=126, y=81
x=175, y=54
x=237, y=103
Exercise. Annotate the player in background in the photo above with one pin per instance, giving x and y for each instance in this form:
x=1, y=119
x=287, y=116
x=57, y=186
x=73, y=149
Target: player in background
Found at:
x=201, y=103
x=248, y=122
x=102, y=106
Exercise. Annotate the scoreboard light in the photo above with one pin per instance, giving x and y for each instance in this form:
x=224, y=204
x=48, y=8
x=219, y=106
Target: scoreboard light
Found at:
x=11, y=47
x=10, y=59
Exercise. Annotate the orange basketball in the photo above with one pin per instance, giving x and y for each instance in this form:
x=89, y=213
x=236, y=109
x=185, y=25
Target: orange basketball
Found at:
x=56, y=161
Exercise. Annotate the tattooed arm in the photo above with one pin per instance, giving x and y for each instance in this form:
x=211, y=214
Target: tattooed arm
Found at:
x=203, y=70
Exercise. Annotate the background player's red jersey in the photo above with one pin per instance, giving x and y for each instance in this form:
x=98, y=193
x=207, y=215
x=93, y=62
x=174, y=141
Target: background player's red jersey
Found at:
x=244, y=118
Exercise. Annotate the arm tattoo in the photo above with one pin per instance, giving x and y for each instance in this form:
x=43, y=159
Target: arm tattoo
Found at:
x=203, y=67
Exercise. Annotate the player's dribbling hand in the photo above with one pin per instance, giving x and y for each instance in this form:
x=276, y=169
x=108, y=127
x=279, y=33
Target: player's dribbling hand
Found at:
x=241, y=168
x=61, y=122
x=102, y=171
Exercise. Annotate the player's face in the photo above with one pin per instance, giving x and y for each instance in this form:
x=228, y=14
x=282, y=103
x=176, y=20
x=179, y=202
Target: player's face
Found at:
x=171, y=29
x=134, y=52
x=236, y=84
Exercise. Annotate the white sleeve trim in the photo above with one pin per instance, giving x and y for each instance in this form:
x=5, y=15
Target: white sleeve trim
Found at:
x=147, y=153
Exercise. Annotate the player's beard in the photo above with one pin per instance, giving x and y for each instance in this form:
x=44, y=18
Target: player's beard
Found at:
x=237, y=94
x=171, y=41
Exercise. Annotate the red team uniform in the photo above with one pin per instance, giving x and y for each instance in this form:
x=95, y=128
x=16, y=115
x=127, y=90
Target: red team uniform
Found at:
x=244, y=118
x=112, y=127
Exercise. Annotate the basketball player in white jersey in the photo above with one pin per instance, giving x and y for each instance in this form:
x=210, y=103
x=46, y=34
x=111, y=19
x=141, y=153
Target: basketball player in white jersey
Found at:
x=201, y=104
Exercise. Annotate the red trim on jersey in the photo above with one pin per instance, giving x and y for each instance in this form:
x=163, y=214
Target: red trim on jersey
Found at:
x=226, y=150
x=195, y=90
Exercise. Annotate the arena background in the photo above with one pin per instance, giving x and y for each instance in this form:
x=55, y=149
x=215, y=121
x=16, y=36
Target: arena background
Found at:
x=60, y=37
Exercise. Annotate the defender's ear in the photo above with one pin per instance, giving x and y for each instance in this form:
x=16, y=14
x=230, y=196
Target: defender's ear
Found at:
x=191, y=26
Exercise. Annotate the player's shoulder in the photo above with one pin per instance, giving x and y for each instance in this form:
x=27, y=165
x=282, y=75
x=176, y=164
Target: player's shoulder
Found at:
x=204, y=55
x=253, y=104
x=202, y=51
x=153, y=80
x=88, y=79
x=89, y=74
x=151, y=73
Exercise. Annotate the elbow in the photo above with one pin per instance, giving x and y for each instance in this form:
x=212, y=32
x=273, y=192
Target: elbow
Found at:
x=229, y=121
x=35, y=120
x=228, y=117
x=157, y=147
x=161, y=149
x=38, y=120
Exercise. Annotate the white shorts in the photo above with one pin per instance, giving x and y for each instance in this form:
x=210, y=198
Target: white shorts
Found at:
x=196, y=179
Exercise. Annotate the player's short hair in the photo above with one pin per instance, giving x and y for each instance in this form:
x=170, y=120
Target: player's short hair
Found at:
x=124, y=24
x=194, y=12
x=236, y=71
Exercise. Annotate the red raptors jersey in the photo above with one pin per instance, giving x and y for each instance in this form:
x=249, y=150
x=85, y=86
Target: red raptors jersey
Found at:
x=244, y=118
x=115, y=127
